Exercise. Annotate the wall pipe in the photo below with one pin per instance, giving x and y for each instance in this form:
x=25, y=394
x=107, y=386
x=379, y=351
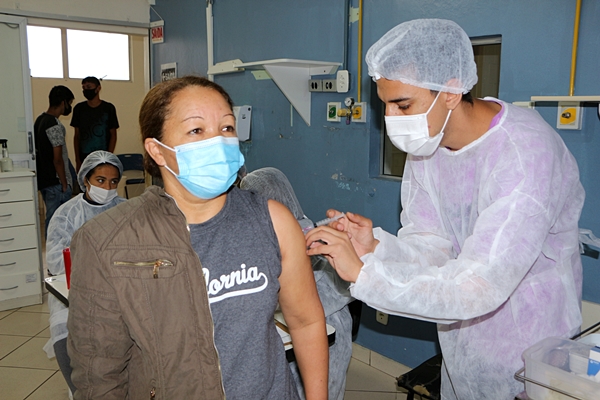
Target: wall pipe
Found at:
x=359, y=70
x=574, y=51
x=209, y=38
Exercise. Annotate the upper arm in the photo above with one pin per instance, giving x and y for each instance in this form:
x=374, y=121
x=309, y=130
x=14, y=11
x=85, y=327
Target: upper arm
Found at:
x=298, y=295
x=57, y=153
x=60, y=231
x=113, y=121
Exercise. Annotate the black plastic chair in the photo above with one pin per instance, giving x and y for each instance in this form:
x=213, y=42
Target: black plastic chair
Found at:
x=132, y=162
x=423, y=380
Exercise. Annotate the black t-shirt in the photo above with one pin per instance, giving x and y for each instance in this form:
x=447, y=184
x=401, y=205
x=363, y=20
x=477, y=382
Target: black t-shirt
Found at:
x=94, y=125
x=49, y=133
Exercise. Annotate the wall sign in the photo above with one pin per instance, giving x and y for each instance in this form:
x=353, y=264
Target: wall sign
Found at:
x=168, y=71
x=157, y=31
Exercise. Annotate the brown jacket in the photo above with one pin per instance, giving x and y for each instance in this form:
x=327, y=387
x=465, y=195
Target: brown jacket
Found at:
x=139, y=321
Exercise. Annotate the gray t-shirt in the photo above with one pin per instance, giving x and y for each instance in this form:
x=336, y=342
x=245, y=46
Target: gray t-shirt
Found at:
x=57, y=135
x=240, y=257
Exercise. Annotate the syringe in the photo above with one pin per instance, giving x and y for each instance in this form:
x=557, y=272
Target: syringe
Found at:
x=327, y=221
x=322, y=222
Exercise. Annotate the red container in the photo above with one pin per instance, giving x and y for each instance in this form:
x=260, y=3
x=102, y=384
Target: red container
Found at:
x=67, y=259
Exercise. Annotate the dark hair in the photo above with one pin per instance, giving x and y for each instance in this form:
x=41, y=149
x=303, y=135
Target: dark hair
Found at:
x=58, y=94
x=467, y=97
x=156, y=108
x=91, y=79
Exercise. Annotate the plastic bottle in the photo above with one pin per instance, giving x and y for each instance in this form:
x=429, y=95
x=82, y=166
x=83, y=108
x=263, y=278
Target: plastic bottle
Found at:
x=6, y=164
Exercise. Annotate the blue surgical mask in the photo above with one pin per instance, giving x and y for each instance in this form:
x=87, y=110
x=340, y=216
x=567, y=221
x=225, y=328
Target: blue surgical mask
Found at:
x=209, y=167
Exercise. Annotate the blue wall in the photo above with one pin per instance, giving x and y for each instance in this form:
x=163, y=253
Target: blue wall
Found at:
x=335, y=165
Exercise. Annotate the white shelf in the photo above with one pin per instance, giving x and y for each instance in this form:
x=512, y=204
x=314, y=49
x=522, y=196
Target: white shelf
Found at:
x=582, y=99
x=290, y=75
x=314, y=67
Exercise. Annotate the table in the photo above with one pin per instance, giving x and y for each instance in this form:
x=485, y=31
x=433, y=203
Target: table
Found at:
x=57, y=285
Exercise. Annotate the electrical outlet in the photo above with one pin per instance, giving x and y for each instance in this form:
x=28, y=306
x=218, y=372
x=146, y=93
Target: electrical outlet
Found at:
x=315, y=85
x=332, y=111
x=329, y=85
x=343, y=81
x=382, y=317
x=569, y=115
x=359, y=112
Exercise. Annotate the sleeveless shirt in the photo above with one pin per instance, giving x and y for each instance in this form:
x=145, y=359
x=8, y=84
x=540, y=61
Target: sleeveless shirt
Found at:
x=241, y=262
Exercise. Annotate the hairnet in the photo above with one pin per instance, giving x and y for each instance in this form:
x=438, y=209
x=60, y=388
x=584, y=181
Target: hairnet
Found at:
x=434, y=54
x=93, y=160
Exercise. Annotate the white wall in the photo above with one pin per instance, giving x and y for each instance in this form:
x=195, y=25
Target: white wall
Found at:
x=135, y=11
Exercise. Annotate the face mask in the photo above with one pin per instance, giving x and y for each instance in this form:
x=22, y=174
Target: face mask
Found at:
x=100, y=195
x=68, y=109
x=410, y=133
x=89, y=93
x=209, y=167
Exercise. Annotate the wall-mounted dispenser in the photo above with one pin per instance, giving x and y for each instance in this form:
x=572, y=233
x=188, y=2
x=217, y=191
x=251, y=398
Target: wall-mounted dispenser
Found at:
x=243, y=119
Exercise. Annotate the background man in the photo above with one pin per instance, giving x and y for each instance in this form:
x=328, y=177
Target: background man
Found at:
x=95, y=122
x=52, y=159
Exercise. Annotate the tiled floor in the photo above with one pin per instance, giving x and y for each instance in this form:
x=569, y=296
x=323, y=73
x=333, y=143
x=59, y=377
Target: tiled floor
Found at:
x=26, y=372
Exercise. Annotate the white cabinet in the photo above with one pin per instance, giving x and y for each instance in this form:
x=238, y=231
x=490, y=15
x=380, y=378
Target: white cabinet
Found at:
x=20, y=250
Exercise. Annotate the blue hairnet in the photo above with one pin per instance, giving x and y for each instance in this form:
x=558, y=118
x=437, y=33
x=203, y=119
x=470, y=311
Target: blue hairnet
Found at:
x=434, y=54
x=93, y=160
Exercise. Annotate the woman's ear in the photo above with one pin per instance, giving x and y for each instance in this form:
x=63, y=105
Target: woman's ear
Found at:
x=155, y=151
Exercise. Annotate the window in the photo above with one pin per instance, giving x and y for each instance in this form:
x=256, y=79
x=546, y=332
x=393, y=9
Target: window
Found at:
x=487, y=57
x=45, y=52
x=99, y=54
x=88, y=53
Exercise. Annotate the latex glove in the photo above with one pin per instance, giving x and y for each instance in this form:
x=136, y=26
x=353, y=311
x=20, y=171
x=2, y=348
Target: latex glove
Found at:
x=359, y=229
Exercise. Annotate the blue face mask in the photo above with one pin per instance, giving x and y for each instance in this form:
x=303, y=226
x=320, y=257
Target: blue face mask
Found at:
x=209, y=167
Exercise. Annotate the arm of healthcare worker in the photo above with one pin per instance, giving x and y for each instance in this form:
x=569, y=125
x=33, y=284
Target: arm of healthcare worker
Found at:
x=60, y=232
x=416, y=273
x=98, y=344
x=300, y=304
x=57, y=241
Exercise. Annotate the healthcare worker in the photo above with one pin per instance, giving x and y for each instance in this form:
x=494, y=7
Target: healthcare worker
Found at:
x=98, y=178
x=333, y=291
x=491, y=200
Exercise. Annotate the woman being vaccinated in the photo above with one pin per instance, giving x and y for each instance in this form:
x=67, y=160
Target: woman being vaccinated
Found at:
x=183, y=283
x=98, y=178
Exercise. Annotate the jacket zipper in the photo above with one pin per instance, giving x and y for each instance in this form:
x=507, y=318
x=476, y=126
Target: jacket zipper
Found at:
x=156, y=264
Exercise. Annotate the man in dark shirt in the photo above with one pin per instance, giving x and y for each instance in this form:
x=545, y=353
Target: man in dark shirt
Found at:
x=52, y=160
x=95, y=122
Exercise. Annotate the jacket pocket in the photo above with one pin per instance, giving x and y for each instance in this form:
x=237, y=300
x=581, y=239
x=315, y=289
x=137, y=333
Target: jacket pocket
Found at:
x=150, y=269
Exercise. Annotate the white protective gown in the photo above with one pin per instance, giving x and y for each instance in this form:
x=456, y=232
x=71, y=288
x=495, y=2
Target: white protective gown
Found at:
x=488, y=249
x=66, y=220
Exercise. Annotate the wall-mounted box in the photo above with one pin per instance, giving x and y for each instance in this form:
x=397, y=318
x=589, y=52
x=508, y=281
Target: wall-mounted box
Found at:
x=243, y=119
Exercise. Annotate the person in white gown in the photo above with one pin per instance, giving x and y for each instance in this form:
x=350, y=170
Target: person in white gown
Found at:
x=98, y=178
x=491, y=200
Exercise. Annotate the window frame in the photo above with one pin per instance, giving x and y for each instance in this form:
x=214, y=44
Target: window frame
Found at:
x=65, y=53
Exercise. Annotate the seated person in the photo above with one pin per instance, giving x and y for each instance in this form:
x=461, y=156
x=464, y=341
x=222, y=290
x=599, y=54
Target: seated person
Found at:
x=98, y=178
x=182, y=283
x=333, y=291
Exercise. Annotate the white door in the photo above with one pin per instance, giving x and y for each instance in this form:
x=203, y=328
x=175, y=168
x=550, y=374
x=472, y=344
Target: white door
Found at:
x=16, y=112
